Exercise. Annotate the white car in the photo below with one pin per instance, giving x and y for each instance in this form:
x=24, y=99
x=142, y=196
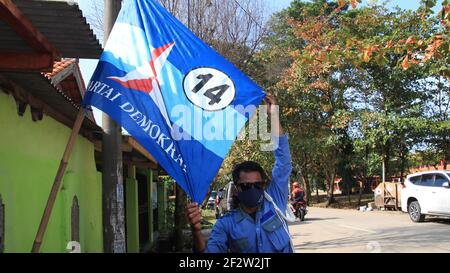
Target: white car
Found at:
x=211, y=200
x=426, y=193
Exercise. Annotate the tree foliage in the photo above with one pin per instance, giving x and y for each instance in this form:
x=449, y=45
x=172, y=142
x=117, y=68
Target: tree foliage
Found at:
x=359, y=86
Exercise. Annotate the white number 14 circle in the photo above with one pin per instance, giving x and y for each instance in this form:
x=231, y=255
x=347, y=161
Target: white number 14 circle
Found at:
x=209, y=88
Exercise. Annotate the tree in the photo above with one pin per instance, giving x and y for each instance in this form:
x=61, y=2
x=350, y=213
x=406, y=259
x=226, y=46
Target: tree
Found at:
x=438, y=125
x=233, y=28
x=347, y=94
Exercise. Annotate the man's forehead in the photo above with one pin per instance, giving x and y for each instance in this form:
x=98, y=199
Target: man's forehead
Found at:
x=250, y=175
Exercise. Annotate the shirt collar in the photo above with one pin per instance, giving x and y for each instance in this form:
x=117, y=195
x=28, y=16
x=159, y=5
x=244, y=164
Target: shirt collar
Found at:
x=241, y=214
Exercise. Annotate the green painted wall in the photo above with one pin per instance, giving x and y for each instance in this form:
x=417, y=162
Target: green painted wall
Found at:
x=30, y=153
x=132, y=212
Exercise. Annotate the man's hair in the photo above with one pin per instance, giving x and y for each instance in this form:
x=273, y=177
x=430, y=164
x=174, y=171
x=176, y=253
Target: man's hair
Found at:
x=247, y=166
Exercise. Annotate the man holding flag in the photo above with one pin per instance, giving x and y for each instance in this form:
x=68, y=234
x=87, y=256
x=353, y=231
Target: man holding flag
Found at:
x=172, y=92
x=257, y=225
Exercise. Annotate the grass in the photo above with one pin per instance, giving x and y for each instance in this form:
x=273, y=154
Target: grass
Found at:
x=209, y=218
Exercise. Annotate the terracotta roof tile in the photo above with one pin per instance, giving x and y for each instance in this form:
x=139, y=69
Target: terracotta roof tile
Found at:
x=68, y=87
x=60, y=66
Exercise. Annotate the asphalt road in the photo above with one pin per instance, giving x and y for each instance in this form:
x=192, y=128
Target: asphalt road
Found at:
x=336, y=230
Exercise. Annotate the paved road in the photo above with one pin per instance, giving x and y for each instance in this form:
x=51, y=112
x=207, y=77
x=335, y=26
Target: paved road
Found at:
x=335, y=230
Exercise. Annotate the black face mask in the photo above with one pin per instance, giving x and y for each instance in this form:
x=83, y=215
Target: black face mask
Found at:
x=251, y=198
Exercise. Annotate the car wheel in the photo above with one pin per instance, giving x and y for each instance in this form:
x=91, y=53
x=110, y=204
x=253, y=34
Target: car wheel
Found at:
x=415, y=212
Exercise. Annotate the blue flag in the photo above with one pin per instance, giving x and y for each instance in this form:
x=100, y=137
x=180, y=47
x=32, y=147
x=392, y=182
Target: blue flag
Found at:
x=175, y=95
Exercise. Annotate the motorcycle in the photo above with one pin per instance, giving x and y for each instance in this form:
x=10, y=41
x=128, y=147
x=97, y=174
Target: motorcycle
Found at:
x=300, y=210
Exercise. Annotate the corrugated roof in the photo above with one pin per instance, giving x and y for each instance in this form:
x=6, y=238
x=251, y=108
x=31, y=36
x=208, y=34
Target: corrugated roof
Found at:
x=9, y=40
x=65, y=28
x=62, y=24
x=41, y=87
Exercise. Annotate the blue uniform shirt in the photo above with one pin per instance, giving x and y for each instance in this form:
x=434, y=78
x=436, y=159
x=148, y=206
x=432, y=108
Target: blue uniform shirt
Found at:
x=238, y=232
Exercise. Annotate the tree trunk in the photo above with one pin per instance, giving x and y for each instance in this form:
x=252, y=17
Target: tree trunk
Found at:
x=317, y=194
x=403, y=158
x=445, y=150
x=304, y=175
x=348, y=194
x=402, y=169
x=330, y=193
x=307, y=189
x=386, y=160
x=361, y=190
x=365, y=180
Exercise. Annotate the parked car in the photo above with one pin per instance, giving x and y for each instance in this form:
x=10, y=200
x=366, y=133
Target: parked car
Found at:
x=224, y=200
x=211, y=200
x=426, y=193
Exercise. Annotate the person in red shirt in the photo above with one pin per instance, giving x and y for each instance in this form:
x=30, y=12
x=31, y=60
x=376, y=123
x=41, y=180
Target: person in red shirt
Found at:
x=297, y=193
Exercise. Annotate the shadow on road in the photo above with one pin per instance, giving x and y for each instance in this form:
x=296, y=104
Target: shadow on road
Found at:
x=407, y=239
x=308, y=220
x=438, y=220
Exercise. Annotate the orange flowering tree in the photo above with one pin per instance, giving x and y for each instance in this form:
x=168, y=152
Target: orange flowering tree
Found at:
x=416, y=49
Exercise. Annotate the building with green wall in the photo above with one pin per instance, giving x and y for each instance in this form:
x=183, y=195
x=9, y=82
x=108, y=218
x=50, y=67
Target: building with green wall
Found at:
x=40, y=93
x=30, y=153
x=41, y=90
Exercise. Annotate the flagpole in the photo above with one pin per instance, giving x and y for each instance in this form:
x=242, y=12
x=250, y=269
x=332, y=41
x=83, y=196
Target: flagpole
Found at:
x=112, y=163
x=57, y=181
x=180, y=195
x=189, y=14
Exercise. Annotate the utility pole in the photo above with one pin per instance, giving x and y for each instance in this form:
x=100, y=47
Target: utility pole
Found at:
x=180, y=199
x=112, y=178
x=189, y=14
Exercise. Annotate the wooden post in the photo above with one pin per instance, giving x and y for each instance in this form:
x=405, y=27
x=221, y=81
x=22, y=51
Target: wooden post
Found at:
x=57, y=182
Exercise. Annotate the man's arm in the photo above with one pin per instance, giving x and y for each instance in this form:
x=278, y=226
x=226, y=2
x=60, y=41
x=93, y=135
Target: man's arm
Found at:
x=271, y=103
x=217, y=242
x=281, y=171
x=194, y=218
x=278, y=188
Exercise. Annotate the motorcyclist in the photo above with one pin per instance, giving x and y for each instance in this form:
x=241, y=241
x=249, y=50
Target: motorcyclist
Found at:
x=297, y=195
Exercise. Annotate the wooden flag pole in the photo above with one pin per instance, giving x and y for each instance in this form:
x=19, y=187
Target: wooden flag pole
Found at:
x=57, y=182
